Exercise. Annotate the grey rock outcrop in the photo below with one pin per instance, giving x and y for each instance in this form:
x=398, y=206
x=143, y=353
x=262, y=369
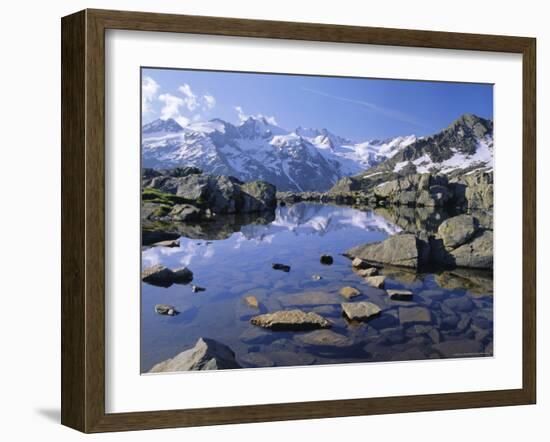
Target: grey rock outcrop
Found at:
x=457, y=230
x=398, y=250
x=207, y=354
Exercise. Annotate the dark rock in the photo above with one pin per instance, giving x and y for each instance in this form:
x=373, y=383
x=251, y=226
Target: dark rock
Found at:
x=326, y=259
x=158, y=275
x=283, y=267
x=196, y=289
x=400, y=295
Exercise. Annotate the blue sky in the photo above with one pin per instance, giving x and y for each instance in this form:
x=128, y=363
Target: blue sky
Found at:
x=357, y=108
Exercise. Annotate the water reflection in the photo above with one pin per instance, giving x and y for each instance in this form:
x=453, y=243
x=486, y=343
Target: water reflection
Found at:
x=233, y=258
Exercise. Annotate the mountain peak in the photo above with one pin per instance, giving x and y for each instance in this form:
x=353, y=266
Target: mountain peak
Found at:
x=160, y=125
x=468, y=125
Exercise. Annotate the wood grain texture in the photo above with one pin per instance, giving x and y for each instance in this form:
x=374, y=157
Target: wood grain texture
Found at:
x=83, y=219
x=73, y=254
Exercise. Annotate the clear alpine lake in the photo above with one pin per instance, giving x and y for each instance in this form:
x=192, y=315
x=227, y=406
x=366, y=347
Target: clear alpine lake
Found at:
x=238, y=262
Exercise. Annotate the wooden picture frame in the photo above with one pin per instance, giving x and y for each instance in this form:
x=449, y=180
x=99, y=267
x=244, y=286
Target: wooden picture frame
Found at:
x=83, y=220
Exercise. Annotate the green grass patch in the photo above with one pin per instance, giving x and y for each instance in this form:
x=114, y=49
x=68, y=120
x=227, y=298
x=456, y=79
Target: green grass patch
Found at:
x=156, y=196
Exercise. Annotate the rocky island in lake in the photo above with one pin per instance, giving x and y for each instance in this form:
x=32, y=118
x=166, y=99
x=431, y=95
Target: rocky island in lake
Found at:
x=268, y=247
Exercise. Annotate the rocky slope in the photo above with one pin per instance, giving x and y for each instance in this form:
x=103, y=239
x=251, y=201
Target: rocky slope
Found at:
x=186, y=197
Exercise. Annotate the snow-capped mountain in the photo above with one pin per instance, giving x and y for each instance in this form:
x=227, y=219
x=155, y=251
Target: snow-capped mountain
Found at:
x=299, y=160
x=466, y=145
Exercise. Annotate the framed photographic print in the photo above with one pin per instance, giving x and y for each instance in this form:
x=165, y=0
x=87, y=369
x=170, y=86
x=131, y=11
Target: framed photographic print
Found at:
x=270, y=221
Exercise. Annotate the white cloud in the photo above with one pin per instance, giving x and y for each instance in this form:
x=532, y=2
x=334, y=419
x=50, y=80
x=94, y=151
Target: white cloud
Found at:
x=149, y=89
x=242, y=116
x=190, y=99
x=209, y=101
x=171, y=108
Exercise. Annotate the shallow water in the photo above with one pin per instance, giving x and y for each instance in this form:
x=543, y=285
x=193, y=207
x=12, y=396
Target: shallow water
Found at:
x=460, y=302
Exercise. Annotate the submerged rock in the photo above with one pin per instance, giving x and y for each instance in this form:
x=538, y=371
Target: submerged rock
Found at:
x=252, y=301
x=316, y=277
x=414, y=315
x=291, y=320
x=349, y=292
x=196, y=289
x=207, y=354
x=326, y=259
x=459, y=348
x=166, y=309
x=278, y=266
x=326, y=338
x=360, y=311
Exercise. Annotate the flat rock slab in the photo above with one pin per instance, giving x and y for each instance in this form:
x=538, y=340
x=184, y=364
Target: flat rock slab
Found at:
x=324, y=338
x=414, y=315
x=207, y=354
x=400, y=295
x=349, y=292
x=360, y=311
x=291, y=320
x=398, y=250
x=376, y=281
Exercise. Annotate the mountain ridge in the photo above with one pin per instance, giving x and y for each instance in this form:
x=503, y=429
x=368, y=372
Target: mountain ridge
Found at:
x=306, y=159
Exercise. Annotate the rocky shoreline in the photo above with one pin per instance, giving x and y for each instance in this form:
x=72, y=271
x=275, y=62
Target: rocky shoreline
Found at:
x=446, y=228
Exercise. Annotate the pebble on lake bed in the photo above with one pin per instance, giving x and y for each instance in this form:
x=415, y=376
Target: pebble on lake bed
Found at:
x=165, y=309
x=196, y=289
x=349, y=292
x=316, y=277
x=252, y=301
x=326, y=259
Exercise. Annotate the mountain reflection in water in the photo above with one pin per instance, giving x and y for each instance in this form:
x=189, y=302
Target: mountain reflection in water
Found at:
x=237, y=262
